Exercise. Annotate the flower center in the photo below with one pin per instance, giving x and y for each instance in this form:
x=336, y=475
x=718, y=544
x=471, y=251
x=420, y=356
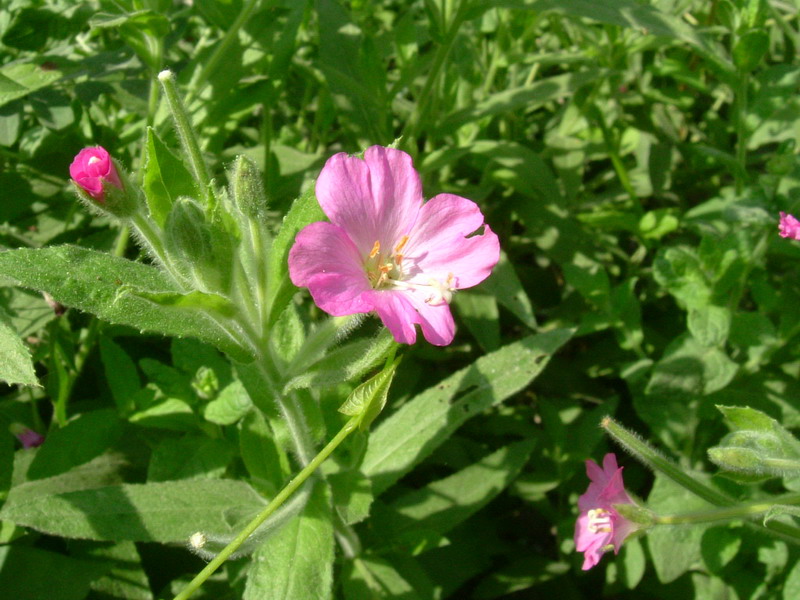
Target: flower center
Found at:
x=599, y=521
x=387, y=272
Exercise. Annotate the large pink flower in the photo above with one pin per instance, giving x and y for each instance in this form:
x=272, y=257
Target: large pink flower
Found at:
x=387, y=250
x=599, y=525
x=90, y=168
x=789, y=227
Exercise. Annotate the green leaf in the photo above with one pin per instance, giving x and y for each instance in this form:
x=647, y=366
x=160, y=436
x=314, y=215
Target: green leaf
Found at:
x=346, y=363
x=190, y=457
x=791, y=588
x=440, y=506
x=297, y=561
x=522, y=574
x=411, y=433
x=125, y=578
x=154, y=512
x=674, y=550
x=20, y=79
x=371, y=577
x=719, y=546
x=527, y=97
x=91, y=281
x=710, y=324
x=81, y=440
x=369, y=398
x=750, y=49
x=504, y=284
x=28, y=574
x=16, y=365
x=121, y=375
x=262, y=456
x=304, y=210
x=165, y=178
x=230, y=405
x=480, y=315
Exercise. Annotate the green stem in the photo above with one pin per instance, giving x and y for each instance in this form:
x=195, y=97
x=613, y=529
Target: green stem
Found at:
x=186, y=134
x=276, y=502
x=151, y=237
x=652, y=459
x=220, y=48
x=727, y=513
x=412, y=127
x=741, y=130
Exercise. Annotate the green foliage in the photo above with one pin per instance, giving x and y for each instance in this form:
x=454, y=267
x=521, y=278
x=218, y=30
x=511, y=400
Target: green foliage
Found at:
x=633, y=158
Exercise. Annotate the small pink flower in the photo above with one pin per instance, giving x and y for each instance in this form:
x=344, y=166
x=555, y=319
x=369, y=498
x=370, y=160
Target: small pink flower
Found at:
x=599, y=525
x=28, y=437
x=387, y=250
x=91, y=167
x=789, y=227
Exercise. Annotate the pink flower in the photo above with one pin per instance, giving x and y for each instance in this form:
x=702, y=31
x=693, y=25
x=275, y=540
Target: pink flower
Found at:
x=387, y=250
x=599, y=525
x=789, y=227
x=91, y=167
x=28, y=437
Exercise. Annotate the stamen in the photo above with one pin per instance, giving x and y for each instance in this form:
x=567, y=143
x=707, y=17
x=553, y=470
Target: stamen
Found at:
x=398, y=259
x=401, y=244
x=376, y=248
x=599, y=521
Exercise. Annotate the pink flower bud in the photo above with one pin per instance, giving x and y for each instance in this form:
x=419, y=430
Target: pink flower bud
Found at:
x=27, y=436
x=789, y=227
x=91, y=167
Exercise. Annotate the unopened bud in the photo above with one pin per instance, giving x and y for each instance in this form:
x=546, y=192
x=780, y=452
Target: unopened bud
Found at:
x=247, y=188
x=102, y=183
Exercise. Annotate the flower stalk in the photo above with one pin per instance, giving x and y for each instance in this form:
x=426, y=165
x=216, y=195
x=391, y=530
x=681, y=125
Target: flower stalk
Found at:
x=276, y=503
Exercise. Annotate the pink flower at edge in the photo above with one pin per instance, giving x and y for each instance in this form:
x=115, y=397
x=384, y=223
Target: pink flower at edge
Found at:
x=599, y=525
x=29, y=438
x=387, y=250
x=789, y=227
x=90, y=168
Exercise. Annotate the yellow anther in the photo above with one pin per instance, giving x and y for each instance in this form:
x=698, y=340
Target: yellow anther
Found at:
x=401, y=244
x=599, y=521
x=376, y=248
x=385, y=268
x=398, y=259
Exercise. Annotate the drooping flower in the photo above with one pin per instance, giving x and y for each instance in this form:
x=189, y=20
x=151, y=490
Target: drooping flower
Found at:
x=387, y=250
x=600, y=527
x=789, y=227
x=90, y=168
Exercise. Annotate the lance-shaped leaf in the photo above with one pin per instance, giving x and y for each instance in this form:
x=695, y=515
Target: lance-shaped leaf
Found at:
x=102, y=284
x=297, y=562
x=369, y=398
x=304, y=210
x=409, y=435
x=15, y=360
x=154, y=512
x=165, y=178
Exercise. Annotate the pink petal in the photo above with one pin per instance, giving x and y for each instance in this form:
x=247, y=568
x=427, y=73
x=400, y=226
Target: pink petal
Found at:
x=789, y=227
x=396, y=190
x=436, y=320
x=590, y=543
x=438, y=245
x=397, y=313
x=324, y=259
x=374, y=199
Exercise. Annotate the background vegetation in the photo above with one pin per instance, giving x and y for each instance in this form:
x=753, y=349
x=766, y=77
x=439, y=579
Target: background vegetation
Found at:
x=632, y=156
